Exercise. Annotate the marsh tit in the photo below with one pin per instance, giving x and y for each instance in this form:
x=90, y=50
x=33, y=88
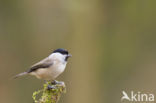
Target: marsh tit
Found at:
x=50, y=67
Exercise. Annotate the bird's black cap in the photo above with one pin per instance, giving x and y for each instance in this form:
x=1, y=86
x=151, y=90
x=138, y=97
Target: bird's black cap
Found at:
x=61, y=50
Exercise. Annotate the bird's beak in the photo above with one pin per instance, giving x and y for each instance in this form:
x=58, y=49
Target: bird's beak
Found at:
x=69, y=55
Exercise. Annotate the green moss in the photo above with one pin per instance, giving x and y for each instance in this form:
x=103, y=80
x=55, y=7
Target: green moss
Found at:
x=49, y=95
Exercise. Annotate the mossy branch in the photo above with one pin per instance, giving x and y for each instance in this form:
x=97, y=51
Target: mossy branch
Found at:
x=49, y=95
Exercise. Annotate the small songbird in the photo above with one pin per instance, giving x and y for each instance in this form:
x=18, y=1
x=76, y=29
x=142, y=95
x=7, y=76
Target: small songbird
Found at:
x=49, y=68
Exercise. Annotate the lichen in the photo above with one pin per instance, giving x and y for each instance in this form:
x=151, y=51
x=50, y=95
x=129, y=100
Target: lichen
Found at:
x=49, y=95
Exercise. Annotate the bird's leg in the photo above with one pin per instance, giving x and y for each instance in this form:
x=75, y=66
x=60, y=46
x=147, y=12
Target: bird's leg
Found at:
x=54, y=82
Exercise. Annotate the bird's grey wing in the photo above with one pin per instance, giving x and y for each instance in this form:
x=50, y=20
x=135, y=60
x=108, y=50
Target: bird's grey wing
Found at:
x=45, y=63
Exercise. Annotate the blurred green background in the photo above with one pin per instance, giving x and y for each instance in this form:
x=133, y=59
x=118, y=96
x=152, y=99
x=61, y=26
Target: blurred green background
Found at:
x=113, y=44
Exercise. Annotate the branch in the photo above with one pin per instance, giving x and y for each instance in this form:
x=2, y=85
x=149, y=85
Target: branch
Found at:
x=49, y=95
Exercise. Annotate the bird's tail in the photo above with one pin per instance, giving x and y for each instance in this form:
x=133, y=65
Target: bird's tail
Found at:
x=20, y=74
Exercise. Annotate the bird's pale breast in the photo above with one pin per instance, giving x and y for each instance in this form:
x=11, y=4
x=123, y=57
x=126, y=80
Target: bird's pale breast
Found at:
x=50, y=73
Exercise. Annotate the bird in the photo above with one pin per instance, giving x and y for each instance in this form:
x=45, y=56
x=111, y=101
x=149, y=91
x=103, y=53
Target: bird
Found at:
x=49, y=68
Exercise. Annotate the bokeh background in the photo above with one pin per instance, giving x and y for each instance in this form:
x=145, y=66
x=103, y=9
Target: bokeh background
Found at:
x=113, y=44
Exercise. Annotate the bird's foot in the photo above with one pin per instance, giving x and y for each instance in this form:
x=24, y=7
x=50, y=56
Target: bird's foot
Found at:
x=50, y=87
